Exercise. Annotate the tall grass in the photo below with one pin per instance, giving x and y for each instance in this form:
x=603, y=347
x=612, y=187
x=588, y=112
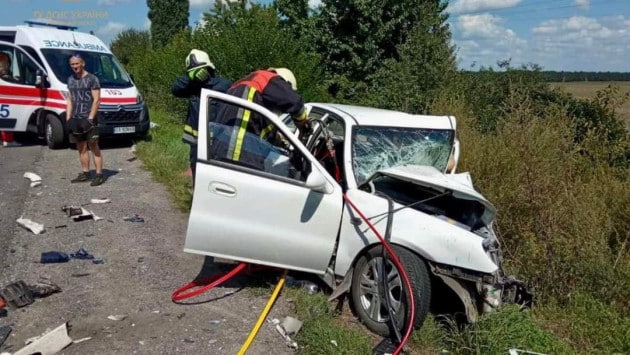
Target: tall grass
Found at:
x=563, y=217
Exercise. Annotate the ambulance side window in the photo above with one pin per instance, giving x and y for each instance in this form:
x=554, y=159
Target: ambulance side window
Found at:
x=7, y=72
x=27, y=69
x=22, y=69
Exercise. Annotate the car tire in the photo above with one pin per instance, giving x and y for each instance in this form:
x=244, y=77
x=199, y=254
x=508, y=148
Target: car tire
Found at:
x=55, y=133
x=364, y=290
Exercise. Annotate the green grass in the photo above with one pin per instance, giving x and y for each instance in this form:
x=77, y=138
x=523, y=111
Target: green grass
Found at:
x=583, y=324
x=166, y=156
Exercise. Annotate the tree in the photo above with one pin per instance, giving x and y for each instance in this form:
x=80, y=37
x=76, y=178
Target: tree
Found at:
x=129, y=43
x=168, y=17
x=356, y=37
x=426, y=66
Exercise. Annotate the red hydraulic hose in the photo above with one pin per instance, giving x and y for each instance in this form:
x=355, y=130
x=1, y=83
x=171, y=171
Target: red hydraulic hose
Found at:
x=214, y=281
x=412, y=306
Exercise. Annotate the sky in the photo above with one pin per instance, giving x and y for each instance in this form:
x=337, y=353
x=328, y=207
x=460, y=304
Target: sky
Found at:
x=562, y=35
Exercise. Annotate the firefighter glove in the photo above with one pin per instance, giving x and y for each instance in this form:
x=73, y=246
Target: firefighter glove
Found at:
x=199, y=74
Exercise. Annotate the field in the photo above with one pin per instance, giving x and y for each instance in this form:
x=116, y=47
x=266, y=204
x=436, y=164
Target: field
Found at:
x=587, y=89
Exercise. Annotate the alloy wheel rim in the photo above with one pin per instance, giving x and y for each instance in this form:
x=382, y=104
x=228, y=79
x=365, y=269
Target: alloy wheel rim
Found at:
x=373, y=305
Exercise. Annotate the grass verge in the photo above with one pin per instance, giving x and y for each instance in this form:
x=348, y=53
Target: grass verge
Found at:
x=584, y=325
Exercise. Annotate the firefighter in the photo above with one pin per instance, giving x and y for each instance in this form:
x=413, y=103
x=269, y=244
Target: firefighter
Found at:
x=200, y=74
x=239, y=131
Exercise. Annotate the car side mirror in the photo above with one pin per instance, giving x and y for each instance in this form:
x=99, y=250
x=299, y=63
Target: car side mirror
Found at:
x=316, y=181
x=40, y=79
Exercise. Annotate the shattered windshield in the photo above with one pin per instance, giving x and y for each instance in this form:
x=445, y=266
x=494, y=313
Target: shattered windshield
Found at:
x=377, y=148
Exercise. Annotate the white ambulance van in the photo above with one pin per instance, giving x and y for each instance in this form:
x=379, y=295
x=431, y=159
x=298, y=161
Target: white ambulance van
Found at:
x=33, y=97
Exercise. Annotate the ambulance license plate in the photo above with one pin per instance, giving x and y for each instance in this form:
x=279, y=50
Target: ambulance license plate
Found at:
x=118, y=130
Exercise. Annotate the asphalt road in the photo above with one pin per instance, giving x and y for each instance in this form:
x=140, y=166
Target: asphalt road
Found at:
x=143, y=264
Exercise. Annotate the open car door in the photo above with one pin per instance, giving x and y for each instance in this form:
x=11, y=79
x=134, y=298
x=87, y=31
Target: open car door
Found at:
x=284, y=214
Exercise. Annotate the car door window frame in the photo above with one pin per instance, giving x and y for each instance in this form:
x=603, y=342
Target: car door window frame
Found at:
x=203, y=149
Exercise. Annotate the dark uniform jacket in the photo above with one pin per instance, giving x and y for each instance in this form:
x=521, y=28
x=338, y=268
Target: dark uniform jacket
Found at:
x=268, y=90
x=185, y=88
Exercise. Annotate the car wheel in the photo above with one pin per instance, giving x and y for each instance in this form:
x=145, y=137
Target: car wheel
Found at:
x=54, y=132
x=366, y=280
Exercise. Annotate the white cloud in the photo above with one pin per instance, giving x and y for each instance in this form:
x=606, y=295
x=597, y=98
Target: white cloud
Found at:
x=485, y=40
x=147, y=24
x=583, y=4
x=110, y=29
x=467, y=6
x=583, y=42
x=110, y=2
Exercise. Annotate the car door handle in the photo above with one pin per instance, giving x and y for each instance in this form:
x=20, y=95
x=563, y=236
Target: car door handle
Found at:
x=222, y=189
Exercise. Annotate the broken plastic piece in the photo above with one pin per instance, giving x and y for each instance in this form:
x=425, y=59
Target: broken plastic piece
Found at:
x=100, y=200
x=34, y=227
x=291, y=325
x=82, y=254
x=81, y=340
x=290, y=343
x=135, y=219
x=117, y=317
x=51, y=257
x=48, y=344
x=17, y=294
x=35, y=179
x=79, y=213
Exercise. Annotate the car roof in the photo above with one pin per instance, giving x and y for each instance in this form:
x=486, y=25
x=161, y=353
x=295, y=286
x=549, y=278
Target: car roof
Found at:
x=370, y=116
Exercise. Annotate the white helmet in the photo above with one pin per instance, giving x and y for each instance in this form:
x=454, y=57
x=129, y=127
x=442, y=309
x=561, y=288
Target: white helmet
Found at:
x=198, y=59
x=287, y=75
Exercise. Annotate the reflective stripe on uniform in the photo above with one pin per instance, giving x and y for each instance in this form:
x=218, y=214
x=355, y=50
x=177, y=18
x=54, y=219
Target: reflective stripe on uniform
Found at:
x=190, y=135
x=238, y=134
x=266, y=131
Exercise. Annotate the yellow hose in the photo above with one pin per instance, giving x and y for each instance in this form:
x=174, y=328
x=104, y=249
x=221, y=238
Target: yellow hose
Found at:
x=263, y=315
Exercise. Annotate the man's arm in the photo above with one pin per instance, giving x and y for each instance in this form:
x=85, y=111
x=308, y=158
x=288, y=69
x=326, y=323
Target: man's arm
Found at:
x=96, y=101
x=69, y=107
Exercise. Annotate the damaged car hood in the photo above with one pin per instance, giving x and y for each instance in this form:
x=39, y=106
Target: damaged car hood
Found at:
x=459, y=185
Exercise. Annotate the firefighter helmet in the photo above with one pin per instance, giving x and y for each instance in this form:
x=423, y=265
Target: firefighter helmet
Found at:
x=198, y=59
x=287, y=75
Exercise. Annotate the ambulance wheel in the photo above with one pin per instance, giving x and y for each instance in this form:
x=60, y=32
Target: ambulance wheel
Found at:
x=54, y=132
x=367, y=280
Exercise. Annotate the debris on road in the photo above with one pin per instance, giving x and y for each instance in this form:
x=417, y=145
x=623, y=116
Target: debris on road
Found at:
x=280, y=329
x=36, y=228
x=54, y=257
x=17, y=294
x=117, y=317
x=135, y=219
x=43, y=288
x=79, y=213
x=291, y=325
x=36, y=180
x=82, y=254
x=49, y=343
x=100, y=200
x=81, y=340
x=309, y=286
x=4, y=333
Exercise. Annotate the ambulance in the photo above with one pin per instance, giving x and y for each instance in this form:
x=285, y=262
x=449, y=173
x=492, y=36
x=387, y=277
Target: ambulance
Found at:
x=33, y=95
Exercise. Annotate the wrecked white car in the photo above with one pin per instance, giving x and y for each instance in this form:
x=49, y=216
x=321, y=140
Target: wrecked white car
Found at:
x=393, y=167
